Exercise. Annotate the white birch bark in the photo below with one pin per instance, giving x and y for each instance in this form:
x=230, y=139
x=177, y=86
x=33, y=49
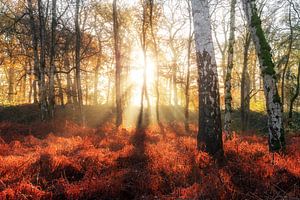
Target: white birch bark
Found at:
x=209, y=133
x=274, y=109
x=228, y=97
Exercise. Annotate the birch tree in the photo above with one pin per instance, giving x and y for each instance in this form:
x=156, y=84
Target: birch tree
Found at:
x=228, y=97
x=273, y=102
x=209, y=133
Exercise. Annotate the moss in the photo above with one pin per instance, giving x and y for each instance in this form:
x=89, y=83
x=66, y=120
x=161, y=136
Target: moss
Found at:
x=265, y=47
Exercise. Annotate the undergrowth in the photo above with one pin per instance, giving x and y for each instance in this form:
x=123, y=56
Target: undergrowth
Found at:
x=153, y=163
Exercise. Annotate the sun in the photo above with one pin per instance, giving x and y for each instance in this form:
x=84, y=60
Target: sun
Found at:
x=136, y=77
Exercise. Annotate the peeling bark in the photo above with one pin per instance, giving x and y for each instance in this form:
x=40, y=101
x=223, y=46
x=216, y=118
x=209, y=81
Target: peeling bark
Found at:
x=210, y=132
x=274, y=107
x=228, y=96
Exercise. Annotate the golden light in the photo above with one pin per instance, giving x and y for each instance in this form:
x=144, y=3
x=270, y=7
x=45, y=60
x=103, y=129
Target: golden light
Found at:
x=136, y=77
x=135, y=85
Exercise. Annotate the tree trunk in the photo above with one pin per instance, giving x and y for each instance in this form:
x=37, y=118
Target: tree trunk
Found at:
x=210, y=132
x=174, y=83
x=294, y=97
x=23, y=88
x=30, y=83
x=86, y=88
x=67, y=68
x=253, y=81
x=52, y=62
x=119, y=109
x=42, y=65
x=274, y=107
x=39, y=63
x=156, y=62
x=144, y=93
x=77, y=63
x=228, y=96
x=35, y=95
x=245, y=85
x=60, y=90
x=74, y=92
x=11, y=84
x=287, y=59
x=170, y=90
x=187, y=86
x=96, y=75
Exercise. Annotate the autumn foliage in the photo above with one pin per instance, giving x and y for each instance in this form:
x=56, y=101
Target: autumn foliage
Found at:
x=159, y=162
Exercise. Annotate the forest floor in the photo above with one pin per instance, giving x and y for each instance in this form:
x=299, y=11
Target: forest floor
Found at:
x=62, y=160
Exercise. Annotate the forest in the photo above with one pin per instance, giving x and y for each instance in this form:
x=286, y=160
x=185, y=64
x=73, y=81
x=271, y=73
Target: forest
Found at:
x=149, y=99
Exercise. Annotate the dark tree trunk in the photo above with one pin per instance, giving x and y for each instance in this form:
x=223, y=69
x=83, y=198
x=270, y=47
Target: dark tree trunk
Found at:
x=35, y=93
x=42, y=65
x=77, y=63
x=30, y=83
x=60, y=90
x=67, y=68
x=294, y=97
x=52, y=62
x=245, y=85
